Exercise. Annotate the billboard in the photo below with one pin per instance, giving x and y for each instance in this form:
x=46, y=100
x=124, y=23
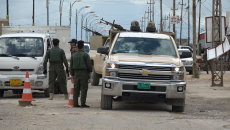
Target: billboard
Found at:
x=173, y=20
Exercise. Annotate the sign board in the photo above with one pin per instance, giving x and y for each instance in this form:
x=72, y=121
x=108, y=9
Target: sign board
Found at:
x=227, y=18
x=209, y=23
x=173, y=20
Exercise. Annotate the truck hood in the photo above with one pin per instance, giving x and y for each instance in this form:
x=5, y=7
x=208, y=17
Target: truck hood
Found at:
x=144, y=58
x=12, y=66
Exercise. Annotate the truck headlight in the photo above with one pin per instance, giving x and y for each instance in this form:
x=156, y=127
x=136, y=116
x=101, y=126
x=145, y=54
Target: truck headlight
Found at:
x=40, y=68
x=111, y=65
x=179, y=68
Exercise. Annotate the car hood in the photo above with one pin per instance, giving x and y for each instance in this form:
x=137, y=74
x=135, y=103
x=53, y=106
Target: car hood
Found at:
x=187, y=59
x=145, y=58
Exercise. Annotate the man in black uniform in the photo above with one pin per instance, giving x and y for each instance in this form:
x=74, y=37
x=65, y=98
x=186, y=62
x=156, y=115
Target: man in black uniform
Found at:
x=80, y=68
x=56, y=57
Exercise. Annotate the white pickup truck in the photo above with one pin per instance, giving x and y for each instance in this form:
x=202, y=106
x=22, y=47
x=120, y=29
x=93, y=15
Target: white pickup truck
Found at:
x=21, y=52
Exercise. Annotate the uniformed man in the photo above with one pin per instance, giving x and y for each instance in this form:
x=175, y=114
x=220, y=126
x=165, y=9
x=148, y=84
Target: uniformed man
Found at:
x=73, y=48
x=56, y=57
x=81, y=69
x=207, y=63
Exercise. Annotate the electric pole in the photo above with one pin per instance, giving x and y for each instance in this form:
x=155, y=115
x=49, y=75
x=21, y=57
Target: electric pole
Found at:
x=47, y=7
x=7, y=9
x=188, y=23
x=169, y=21
x=151, y=3
x=199, y=25
x=164, y=23
x=194, y=36
x=181, y=20
x=174, y=14
x=142, y=28
x=148, y=13
x=161, y=29
x=33, y=14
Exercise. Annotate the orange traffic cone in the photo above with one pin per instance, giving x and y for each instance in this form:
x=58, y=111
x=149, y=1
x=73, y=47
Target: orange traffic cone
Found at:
x=70, y=104
x=27, y=95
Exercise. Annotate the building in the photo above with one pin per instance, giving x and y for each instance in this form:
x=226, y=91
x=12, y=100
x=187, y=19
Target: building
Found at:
x=4, y=22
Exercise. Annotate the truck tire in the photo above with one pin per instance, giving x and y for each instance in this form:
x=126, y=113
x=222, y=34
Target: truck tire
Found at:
x=106, y=102
x=95, y=78
x=46, y=92
x=178, y=108
x=15, y=91
x=1, y=93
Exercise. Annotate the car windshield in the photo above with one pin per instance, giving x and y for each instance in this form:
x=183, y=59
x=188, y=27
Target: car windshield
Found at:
x=144, y=46
x=86, y=49
x=21, y=46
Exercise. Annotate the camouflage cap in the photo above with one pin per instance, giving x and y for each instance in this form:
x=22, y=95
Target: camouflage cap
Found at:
x=135, y=23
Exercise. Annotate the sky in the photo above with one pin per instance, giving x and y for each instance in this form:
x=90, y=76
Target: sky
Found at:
x=122, y=11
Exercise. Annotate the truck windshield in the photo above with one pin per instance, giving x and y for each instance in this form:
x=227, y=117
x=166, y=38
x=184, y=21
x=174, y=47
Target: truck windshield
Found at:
x=144, y=46
x=21, y=46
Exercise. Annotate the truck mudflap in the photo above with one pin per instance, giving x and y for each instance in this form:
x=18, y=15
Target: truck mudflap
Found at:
x=167, y=90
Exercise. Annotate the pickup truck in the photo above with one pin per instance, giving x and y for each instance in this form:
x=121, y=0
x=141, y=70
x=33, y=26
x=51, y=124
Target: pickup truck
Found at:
x=143, y=67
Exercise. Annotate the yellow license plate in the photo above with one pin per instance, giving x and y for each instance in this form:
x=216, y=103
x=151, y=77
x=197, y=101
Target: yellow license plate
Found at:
x=15, y=82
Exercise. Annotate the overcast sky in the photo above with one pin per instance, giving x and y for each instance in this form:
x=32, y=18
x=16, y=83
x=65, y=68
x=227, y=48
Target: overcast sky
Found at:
x=122, y=11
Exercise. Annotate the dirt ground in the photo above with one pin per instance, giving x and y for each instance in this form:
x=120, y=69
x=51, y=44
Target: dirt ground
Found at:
x=207, y=108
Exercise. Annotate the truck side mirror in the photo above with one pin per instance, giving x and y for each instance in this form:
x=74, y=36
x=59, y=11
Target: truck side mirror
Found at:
x=186, y=55
x=103, y=50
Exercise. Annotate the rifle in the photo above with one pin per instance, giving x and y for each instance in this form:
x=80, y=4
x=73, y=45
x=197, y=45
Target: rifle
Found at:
x=117, y=26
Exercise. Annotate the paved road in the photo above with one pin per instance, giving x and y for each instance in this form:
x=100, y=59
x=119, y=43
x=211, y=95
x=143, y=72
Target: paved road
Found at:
x=207, y=108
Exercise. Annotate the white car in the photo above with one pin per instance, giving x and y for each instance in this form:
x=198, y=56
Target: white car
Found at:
x=187, y=59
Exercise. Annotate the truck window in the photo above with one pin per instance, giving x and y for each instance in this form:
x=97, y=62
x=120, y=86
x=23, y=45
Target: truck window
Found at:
x=22, y=46
x=144, y=46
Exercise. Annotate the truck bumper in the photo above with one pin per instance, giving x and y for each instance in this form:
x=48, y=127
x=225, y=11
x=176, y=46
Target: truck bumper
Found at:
x=168, y=90
x=37, y=81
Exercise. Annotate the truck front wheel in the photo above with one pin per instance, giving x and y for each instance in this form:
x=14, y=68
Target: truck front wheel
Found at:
x=178, y=108
x=106, y=102
x=95, y=78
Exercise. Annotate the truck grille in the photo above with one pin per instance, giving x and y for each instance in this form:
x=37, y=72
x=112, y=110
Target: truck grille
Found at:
x=137, y=67
x=148, y=77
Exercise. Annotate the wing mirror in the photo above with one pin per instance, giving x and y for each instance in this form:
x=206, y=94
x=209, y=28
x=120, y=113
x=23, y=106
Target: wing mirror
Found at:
x=103, y=50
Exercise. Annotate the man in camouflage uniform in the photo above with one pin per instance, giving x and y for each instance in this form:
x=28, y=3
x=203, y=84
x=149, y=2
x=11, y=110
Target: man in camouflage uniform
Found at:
x=73, y=48
x=207, y=63
x=80, y=68
x=56, y=57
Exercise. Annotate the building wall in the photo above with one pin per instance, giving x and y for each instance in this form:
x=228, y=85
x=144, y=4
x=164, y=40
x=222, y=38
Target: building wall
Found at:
x=5, y=22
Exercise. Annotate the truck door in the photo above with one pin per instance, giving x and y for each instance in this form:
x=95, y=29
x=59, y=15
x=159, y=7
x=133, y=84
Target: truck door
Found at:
x=102, y=56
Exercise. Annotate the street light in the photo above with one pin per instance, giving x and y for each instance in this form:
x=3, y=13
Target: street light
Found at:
x=86, y=31
x=82, y=19
x=60, y=9
x=70, y=10
x=77, y=13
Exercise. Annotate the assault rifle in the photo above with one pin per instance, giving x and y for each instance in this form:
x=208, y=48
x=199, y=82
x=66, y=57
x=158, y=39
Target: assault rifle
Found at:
x=117, y=26
x=95, y=32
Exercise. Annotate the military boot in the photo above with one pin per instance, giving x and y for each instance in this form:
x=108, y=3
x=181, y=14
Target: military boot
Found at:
x=66, y=96
x=51, y=96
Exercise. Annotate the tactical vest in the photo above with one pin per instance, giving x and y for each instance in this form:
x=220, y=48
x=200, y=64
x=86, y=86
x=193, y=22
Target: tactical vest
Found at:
x=55, y=54
x=79, y=61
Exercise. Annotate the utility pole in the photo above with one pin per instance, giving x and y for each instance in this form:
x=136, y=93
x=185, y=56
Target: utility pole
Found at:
x=142, y=28
x=7, y=9
x=199, y=25
x=161, y=28
x=174, y=14
x=33, y=14
x=164, y=23
x=181, y=20
x=148, y=13
x=169, y=21
x=151, y=3
x=47, y=7
x=194, y=36
x=188, y=23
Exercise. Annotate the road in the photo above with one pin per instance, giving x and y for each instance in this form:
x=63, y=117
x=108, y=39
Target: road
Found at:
x=207, y=108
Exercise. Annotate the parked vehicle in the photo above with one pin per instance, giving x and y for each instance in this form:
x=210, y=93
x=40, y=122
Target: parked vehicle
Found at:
x=187, y=59
x=25, y=51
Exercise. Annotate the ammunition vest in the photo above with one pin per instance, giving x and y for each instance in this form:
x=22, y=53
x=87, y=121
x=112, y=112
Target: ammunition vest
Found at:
x=55, y=54
x=79, y=61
